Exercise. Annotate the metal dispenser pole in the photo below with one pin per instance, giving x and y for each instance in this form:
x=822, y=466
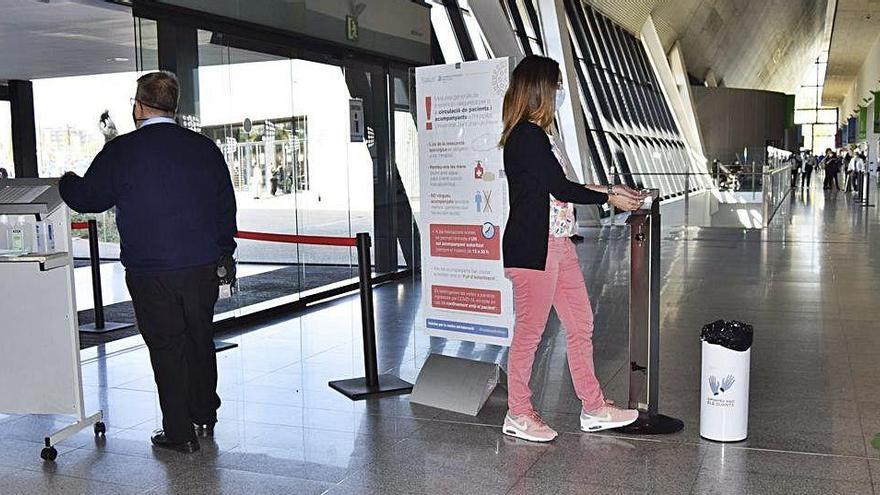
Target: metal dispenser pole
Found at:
x=644, y=323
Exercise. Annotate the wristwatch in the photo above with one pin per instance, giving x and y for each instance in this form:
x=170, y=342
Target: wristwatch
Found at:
x=611, y=189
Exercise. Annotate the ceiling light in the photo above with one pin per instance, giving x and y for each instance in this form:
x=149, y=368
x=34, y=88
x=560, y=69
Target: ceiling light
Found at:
x=111, y=60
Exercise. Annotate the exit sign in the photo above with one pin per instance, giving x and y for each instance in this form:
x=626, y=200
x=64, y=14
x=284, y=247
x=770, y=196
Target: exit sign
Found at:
x=351, y=28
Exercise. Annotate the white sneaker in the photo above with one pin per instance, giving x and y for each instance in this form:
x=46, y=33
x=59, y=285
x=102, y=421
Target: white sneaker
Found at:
x=607, y=417
x=528, y=427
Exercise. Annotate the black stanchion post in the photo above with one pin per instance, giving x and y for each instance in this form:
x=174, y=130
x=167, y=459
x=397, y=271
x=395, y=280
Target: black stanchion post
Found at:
x=95, y=262
x=99, y=326
x=373, y=384
x=866, y=186
x=368, y=318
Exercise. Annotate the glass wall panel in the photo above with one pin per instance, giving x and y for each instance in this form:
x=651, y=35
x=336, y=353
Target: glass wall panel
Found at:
x=284, y=127
x=302, y=164
x=6, y=140
x=804, y=116
x=809, y=114
x=475, y=33
x=624, y=106
x=76, y=115
x=826, y=116
x=70, y=131
x=406, y=147
x=523, y=19
x=445, y=34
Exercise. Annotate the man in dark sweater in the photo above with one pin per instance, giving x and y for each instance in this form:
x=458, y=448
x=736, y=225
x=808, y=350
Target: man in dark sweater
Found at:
x=175, y=210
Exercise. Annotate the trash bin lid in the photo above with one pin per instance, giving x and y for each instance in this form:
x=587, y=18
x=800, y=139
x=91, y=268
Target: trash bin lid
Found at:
x=734, y=335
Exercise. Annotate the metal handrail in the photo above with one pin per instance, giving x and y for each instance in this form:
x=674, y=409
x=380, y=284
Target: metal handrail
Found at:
x=778, y=185
x=683, y=174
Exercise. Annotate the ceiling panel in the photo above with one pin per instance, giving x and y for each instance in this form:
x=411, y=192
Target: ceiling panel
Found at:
x=57, y=38
x=64, y=37
x=756, y=44
x=856, y=27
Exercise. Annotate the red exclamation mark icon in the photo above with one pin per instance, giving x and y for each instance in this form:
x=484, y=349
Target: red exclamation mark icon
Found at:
x=428, y=124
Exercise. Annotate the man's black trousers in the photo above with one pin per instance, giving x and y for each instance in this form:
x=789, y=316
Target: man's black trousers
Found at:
x=175, y=312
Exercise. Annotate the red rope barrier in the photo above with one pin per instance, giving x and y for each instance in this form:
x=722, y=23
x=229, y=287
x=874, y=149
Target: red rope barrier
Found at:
x=270, y=237
x=298, y=239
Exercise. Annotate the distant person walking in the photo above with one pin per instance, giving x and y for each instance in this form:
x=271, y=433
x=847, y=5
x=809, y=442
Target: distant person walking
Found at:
x=795, y=169
x=859, y=167
x=176, y=217
x=845, y=168
x=809, y=165
x=831, y=164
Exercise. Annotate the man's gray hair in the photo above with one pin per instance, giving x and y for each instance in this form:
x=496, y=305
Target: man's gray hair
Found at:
x=159, y=91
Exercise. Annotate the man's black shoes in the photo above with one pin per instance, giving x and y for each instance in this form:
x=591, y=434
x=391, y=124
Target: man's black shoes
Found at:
x=160, y=440
x=204, y=429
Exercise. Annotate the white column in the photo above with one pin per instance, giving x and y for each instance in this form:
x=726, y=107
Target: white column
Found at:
x=570, y=117
x=690, y=125
x=679, y=101
x=871, y=137
x=493, y=21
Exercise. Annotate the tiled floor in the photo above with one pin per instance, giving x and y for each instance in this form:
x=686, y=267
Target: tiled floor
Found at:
x=808, y=284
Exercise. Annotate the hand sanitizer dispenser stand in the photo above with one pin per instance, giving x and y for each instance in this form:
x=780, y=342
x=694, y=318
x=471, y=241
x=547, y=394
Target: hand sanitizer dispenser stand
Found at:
x=39, y=337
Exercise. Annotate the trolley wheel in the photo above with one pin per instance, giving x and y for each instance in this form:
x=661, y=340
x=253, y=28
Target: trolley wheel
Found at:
x=100, y=428
x=48, y=453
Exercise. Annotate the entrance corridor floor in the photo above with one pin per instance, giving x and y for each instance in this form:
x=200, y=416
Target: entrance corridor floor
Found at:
x=808, y=284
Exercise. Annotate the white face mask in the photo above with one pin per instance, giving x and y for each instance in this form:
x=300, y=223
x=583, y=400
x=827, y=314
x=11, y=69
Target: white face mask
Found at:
x=560, y=97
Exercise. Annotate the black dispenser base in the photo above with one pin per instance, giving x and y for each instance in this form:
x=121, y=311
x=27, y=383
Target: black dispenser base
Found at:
x=652, y=424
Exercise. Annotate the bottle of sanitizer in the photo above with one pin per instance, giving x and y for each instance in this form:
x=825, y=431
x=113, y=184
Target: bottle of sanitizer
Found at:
x=15, y=239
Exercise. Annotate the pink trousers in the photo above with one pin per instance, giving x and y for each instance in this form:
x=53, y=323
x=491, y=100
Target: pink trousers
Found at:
x=560, y=285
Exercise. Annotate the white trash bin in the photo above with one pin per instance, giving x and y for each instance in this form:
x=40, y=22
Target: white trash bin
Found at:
x=724, y=392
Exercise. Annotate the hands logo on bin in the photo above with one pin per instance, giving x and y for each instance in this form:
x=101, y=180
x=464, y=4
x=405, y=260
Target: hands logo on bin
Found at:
x=724, y=386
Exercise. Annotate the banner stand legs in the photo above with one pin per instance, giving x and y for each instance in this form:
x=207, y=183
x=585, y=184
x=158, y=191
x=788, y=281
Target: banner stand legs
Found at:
x=456, y=384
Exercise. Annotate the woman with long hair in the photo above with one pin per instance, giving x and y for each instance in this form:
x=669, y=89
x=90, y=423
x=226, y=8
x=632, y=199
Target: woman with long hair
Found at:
x=540, y=259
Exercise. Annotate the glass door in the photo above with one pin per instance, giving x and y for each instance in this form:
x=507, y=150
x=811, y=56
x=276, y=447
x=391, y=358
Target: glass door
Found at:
x=315, y=146
x=7, y=169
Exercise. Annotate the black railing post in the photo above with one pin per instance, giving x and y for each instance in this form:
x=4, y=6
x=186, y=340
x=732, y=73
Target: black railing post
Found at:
x=373, y=384
x=100, y=325
x=368, y=318
x=866, y=186
x=95, y=262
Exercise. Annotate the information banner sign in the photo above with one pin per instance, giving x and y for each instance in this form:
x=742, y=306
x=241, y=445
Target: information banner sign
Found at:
x=463, y=201
x=876, y=112
x=863, y=123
